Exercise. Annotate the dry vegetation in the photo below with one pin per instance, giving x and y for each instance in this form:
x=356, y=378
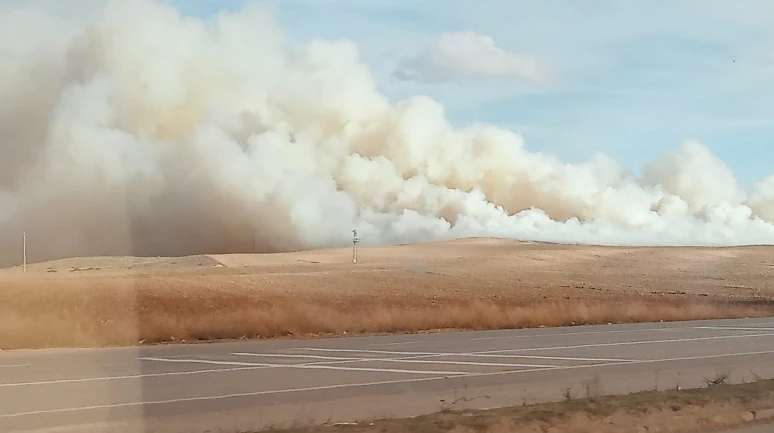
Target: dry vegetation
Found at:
x=690, y=411
x=465, y=284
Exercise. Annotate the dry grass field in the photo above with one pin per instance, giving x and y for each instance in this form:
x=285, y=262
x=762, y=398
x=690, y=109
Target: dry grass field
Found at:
x=462, y=284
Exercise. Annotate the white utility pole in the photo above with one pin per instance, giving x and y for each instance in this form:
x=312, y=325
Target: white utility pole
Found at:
x=355, y=240
x=25, y=252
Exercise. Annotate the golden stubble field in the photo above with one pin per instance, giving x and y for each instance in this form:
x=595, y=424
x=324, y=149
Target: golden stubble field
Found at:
x=462, y=284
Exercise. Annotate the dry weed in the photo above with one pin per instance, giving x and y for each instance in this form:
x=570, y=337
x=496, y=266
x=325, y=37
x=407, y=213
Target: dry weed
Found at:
x=472, y=285
x=115, y=318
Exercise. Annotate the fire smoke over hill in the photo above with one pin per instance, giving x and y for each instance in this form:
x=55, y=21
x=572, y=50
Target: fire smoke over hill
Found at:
x=132, y=131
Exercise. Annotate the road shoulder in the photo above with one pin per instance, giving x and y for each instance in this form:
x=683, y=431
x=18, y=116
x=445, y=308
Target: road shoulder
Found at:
x=716, y=407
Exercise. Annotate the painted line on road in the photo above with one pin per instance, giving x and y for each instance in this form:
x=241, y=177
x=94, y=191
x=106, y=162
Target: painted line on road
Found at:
x=151, y=375
x=292, y=356
x=570, y=334
x=411, y=361
x=560, y=358
x=78, y=428
x=531, y=349
x=216, y=397
x=126, y=377
x=486, y=354
x=312, y=367
x=507, y=337
x=408, y=354
x=349, y=360
x=735, y=328
x=631, y=343
x=360, y=385
x=563, y=334
x=322, y=360
x=756, y=323
x=15, y=366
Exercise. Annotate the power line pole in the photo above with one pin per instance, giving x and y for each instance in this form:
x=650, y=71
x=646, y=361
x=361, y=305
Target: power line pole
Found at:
x=355, y=240
x=25, y=252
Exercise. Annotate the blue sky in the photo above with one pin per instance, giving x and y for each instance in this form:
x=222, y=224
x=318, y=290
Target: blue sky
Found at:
x=628, y=78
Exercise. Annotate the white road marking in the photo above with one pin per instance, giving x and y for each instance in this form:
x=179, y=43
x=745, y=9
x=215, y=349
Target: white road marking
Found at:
x=491, y=353
x=531, y=349
x=558, y=358
x=631, y=343
x=570, y=334
x=314, y=367
x=734, y=328
x=175, y=373
x=756, y=324
x=216, y=397
x=290, y=356
x=414, y=361
x=364, y=384
x=127, y=377
x=14, y=366
x=495, y=354
x=693, y=358
x=507, y=337
x=486, y=354
x=77, y=428
x=348, y=360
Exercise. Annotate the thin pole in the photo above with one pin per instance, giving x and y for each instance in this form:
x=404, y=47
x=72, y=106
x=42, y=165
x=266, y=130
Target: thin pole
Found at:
x=355, y=240
x=25, y=252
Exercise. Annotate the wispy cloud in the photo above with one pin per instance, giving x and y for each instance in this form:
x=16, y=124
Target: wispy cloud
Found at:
x=469, y=55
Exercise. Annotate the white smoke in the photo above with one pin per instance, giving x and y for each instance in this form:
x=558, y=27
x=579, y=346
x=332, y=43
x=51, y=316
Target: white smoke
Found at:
x=135, y=131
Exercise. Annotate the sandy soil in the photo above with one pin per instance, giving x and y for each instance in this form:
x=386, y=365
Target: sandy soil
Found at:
x=470, y=283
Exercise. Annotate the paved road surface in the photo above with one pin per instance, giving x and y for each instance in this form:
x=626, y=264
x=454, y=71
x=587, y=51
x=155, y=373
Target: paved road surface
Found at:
x=243, y=385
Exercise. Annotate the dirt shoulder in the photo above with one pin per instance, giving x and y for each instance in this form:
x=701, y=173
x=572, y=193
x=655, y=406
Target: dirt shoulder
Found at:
x=711, y=409
x=465, y=284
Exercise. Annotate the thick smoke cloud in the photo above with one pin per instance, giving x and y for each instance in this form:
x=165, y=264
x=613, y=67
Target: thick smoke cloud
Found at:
x=133, y=131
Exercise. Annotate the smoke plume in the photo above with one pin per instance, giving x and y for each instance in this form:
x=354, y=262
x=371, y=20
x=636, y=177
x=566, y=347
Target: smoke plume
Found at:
x=130, y=130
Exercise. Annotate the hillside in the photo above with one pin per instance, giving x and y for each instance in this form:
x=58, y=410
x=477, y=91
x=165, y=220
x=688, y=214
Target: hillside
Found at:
x=456, y=284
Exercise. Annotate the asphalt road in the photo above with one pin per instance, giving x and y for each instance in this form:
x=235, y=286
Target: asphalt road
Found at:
x=252, y=384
